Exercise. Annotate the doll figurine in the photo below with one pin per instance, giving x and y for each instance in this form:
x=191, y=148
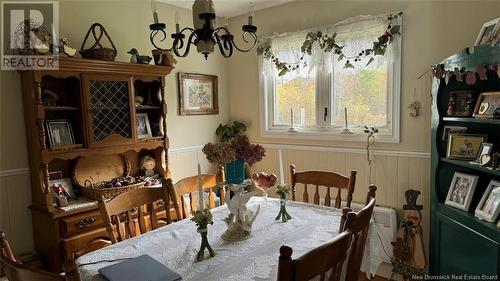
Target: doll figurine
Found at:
x=148, y=164
x=451, y=105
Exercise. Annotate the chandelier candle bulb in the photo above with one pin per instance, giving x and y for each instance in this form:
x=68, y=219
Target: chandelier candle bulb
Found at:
x=200, y=190
x=177, y=20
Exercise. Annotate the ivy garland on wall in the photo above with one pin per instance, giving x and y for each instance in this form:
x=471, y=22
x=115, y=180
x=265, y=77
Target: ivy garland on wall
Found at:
x=327, y=44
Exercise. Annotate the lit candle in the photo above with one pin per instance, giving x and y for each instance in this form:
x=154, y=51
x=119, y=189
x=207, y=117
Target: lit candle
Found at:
x=282, y=175
x=177, y=19
x=200, y=190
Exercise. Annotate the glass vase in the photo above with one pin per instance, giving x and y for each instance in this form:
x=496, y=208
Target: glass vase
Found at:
x=204, y=245
x=283, y=214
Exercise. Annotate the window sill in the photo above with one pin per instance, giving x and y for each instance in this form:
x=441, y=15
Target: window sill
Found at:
x=328, y=134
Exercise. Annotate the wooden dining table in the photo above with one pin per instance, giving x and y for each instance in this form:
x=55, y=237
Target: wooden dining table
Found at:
x=256, y=258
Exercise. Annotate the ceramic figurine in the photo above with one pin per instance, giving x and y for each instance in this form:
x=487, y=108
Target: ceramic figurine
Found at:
x=148, y=164
x=239, y=221
x=468, y=106
x=65, y=48
x=136, y=58
x=451, y=105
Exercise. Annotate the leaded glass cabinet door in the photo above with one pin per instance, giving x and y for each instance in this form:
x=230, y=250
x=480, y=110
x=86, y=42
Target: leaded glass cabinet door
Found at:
x=109, y=105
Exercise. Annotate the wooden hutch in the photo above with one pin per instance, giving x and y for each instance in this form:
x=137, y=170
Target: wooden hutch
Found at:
x=98, y=100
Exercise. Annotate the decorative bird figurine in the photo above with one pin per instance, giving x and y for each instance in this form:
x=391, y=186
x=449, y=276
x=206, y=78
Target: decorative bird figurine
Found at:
x=136, y=58
x=65, y=48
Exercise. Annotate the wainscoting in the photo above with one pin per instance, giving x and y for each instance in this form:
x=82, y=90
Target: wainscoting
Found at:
x=15, y=195
x=393, y=172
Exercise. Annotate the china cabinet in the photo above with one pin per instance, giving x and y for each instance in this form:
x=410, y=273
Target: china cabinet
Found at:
x=459, y=242
x=100, y=101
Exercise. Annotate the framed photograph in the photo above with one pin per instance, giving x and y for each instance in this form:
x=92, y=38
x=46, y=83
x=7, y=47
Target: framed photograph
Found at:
x=66, y=183
x=486, y=105
x=461, y=190
x=464, y=147
x=143, y=126
x=197, y=94
x=489, y=34
x=488, y=208
x=60, y=132
x=453, y=130
x=484, y=149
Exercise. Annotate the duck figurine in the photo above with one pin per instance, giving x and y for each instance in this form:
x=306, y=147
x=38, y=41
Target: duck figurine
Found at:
x=136, y=58
x=65, y=48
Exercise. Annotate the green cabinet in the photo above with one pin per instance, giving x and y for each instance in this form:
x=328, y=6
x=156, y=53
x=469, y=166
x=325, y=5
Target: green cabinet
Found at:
x=460, y=243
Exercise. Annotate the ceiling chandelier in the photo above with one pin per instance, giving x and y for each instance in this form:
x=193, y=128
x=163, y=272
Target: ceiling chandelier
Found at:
x=204, y=35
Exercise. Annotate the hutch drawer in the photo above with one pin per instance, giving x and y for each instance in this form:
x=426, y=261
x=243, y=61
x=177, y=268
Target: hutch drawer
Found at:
x=80, y=223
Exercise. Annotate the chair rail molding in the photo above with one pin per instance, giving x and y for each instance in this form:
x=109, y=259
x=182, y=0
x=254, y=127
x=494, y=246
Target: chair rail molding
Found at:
x=399, y=153
x=14, y=172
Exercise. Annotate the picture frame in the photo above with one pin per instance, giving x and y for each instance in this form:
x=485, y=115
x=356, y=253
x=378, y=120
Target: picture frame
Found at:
x=453, y=130
x=461, y=190
x=488, y=208
x=489, y=33
x=66, y=183
x=465, y=146
x=486, y=105
x=60, y=132
x=143, y=126
x=198, y=94
x=484, y=149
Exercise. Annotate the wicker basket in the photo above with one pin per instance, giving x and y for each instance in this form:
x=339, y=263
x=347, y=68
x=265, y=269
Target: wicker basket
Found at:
x=97, y=51
x=92, y=173
x=96, y=192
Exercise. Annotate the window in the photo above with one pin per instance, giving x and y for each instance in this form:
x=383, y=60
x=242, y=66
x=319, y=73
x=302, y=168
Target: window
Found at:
x=319, y=93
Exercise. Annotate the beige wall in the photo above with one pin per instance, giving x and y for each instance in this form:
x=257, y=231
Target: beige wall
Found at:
x=127, y=22
x=431, y=31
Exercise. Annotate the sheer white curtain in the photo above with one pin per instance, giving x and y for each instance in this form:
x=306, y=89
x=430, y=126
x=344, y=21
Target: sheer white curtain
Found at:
x=356, y=33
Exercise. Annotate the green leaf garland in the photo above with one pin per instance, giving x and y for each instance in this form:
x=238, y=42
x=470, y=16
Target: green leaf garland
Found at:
x=327, y=44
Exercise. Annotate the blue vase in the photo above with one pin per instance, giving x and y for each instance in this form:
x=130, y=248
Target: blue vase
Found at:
x=235, y=171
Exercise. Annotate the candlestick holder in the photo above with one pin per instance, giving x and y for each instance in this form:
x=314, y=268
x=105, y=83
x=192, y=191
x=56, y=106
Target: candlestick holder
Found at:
x=202, y=219
x=283, y=191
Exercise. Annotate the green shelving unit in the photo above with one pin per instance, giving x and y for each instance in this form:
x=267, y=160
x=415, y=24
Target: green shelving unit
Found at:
x=459, y=242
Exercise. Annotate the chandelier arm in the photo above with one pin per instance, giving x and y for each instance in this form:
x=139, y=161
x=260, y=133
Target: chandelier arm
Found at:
x=188, y=45
x=226, y=46
x=152, y=36
x=254, y=37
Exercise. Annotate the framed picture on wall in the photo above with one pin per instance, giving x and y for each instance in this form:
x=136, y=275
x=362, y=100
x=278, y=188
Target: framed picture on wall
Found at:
x=461, y=190
x=197, y=94
x=489, y=207
x=489, y=34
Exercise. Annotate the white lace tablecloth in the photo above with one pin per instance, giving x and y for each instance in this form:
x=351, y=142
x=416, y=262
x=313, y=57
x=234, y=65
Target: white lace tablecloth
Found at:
x=176, y=245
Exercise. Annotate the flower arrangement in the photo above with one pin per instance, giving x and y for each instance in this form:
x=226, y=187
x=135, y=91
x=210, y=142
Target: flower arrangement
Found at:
x=239, y=147
x=283, y=191
x=202, y=219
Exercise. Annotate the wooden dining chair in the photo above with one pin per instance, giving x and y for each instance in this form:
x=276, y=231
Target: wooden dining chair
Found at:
x=118, y=212
x=324, y=179
x=189, y=186
x=359, y=227
x=16, y=271
x=325, y=260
